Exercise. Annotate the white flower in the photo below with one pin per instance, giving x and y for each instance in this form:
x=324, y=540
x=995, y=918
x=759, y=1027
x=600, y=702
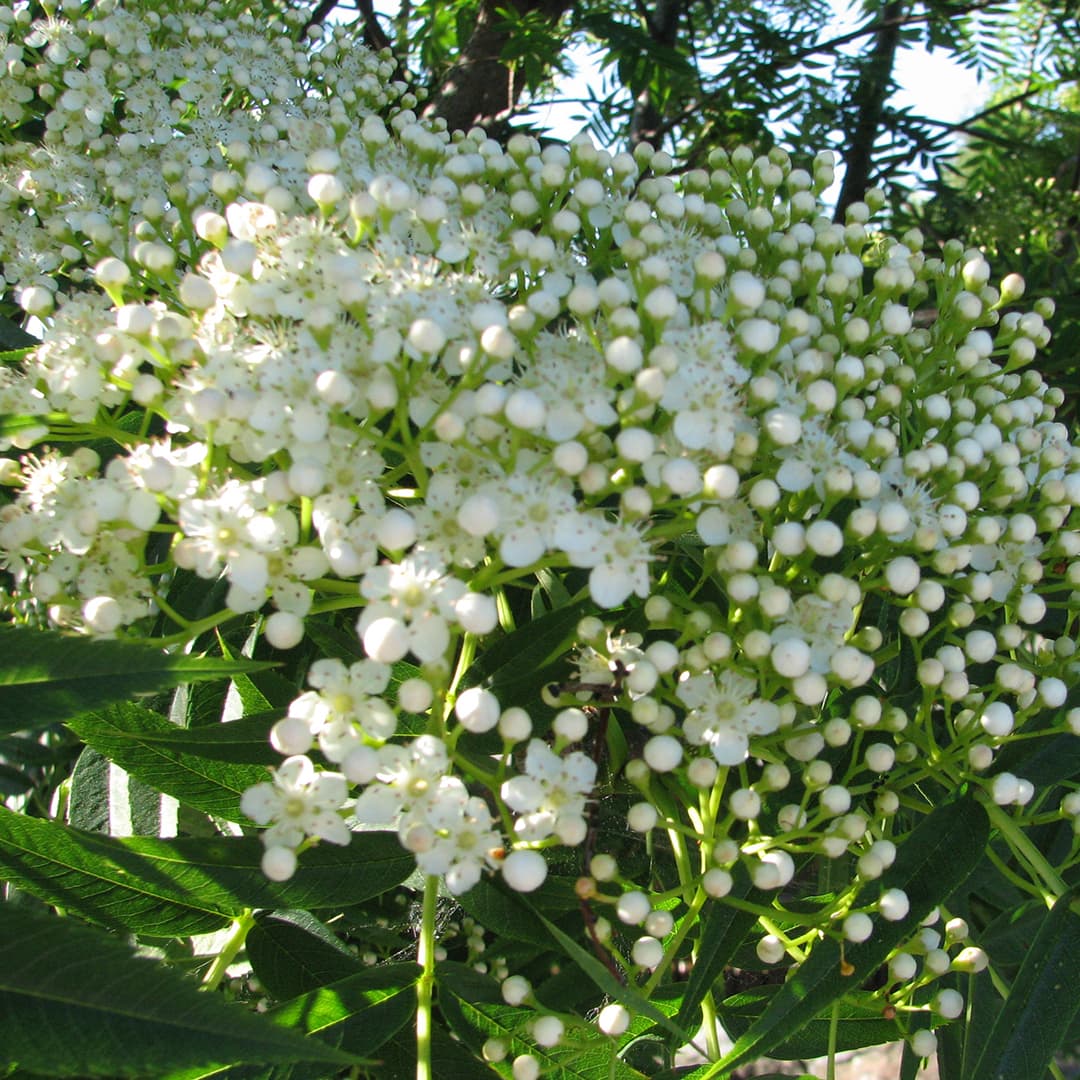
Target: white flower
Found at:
x=406, y=780
x=301, y=802
x=704, y=394
x=465, y=841
x=724, y=713
x=819, y=623
x=411, y=608
x=617, y=553
x=549, y=797
x=345, y=706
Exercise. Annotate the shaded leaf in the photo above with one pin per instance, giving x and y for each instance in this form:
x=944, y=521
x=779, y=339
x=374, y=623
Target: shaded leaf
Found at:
x=120, y=1015
x=166, y=888
x=499, y=910
x=47, y=677
x=477, y=1012
x=933, y=861
x=606, y=981
x=1041, y=1003
x=293, y=953
x=211, y=786
x=450, y=1059
x=13, y=337
x=523, y=656
x=245, y=741
x=722, y=931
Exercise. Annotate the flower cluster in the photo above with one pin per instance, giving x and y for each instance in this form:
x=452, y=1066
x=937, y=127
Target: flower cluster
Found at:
x=807, y=506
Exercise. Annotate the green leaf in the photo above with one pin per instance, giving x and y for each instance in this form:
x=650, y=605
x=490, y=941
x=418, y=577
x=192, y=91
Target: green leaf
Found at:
x=860, y=1024
x=961, y=1043
x=12, y=424
x=15, y=356
x=722, y=929
x=334, y=642
x=75, y=1002
x=166, y=888
x=606, y=981
x=1041, y=1003
x=358, y=1013
x=450, y=1059
x=119, y=733
x=476, y=1012
x=46, y=677
x=498, y=909
x=103, y=798
x=293, y=953
x=26, y=750
x=933, y=861
x=244, y=741
x=523, y=660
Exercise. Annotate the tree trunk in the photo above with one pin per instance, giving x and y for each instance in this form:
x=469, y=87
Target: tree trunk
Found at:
x=870, y=95
x=646, y=123
x=480, y=88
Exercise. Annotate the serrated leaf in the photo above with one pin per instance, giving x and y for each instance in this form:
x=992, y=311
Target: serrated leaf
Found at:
x=606, y=981
x=477, y=1012
x=932, y=862
x=334, y=642
x=292, y=953
x=166, y=888
x=244, y=741
x=502, y=912
x=722, y=931
x=46, y=677
x=860, y=1024
x=119, y=734
x=521, y=658
x=358, y=1013
x=1041, y=1003
x=75, y=1002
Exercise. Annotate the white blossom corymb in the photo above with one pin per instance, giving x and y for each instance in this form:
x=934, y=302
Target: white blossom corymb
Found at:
x=504, y=450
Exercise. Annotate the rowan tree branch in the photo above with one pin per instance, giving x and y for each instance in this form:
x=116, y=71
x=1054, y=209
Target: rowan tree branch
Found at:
x=481, y=87
x=871, y=92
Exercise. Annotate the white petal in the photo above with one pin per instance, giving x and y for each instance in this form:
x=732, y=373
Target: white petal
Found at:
x=610, y=585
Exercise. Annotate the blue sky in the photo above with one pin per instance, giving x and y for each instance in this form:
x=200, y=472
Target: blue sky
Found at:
x=932, y=84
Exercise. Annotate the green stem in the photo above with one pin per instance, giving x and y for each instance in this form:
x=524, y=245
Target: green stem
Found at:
x=426, y=984
x=834, y=1027
x=1022, y=846
x=233, y=944
x=688, y=922
x=709, y=1021
x=191, y=630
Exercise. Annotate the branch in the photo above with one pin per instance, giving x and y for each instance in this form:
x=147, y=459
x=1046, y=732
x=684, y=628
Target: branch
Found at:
x=873, y=28
x=374, y=36
x=480, y=88
x=646, y=123
x=965, y=125
x=968, y=126
x=318, y=15
x=875, y=81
